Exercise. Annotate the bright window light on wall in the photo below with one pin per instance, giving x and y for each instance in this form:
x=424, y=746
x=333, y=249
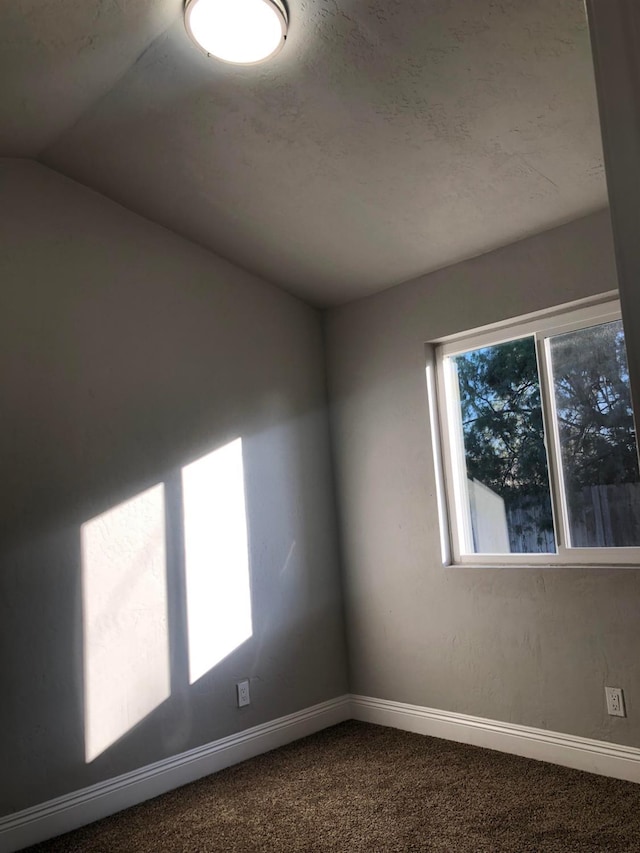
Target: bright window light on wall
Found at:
x=125, y=623
x=216, y=557
x=238, y=31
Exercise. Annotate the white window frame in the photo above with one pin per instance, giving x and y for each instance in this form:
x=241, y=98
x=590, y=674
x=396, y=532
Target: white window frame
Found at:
x=541, y=326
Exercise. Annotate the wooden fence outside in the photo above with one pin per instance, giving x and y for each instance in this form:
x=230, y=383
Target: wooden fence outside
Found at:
x=600, y=517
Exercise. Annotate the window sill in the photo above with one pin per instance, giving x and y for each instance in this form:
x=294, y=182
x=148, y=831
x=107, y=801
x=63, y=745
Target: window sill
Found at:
x=540, y=565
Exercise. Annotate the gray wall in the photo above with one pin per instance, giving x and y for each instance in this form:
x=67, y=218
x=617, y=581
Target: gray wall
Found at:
x=530, y=646
x=126, y=353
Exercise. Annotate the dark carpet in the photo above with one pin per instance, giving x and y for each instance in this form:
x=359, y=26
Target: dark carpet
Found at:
x=358, y=787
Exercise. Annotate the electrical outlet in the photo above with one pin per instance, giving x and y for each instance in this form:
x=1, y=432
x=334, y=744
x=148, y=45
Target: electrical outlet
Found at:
x=242, y=688
x=615, y=701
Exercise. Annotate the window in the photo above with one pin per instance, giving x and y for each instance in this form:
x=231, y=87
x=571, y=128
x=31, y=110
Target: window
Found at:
x=538, y=442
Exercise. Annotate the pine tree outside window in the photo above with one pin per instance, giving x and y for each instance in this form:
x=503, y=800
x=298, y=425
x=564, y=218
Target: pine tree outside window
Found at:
x=539, y=443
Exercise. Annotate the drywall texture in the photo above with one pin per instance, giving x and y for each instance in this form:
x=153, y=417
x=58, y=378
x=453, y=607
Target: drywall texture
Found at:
x=58, y=58
x=127, y=353
x=530, y=646
x=428, y=131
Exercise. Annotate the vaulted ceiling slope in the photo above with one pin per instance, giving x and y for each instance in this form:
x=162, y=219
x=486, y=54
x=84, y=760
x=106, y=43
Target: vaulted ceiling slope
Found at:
x=387, y=139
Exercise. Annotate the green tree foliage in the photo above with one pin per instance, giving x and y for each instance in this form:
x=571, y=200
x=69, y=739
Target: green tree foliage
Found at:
x=593, y=402
x=502, y=419
x=504, y=436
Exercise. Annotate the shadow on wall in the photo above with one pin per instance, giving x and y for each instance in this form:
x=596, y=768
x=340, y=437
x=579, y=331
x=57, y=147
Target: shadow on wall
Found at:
x=122, y=635
x=127, y=632
x=127, y=354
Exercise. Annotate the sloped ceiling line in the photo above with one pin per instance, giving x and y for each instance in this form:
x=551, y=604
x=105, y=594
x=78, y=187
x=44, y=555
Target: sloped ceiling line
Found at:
x=386, y=140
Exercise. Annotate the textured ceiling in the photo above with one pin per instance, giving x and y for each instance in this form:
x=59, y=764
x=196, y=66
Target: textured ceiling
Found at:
x=58, y=57
x=387, y=139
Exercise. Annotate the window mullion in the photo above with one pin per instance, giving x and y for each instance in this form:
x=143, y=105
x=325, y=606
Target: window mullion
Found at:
x=583, y=509
x=552, y=444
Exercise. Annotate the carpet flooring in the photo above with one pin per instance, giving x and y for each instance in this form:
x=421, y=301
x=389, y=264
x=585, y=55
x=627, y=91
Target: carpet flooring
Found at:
x=358, y=787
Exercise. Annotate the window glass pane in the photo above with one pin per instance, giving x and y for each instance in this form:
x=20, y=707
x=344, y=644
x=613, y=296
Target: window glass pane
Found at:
x=597, y=436
x=507, y=479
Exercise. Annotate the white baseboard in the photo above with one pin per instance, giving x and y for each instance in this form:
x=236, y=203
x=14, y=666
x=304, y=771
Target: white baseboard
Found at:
x=594, y=756
x=82, y=807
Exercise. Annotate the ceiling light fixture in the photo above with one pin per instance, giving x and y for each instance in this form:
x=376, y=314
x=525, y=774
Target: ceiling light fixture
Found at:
x=238, y=31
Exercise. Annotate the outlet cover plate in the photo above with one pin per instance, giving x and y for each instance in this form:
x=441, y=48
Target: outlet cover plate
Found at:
x=242, y=688
x=615, y=701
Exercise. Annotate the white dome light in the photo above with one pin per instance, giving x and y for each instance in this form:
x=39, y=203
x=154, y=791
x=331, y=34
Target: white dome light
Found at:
x=240, y=31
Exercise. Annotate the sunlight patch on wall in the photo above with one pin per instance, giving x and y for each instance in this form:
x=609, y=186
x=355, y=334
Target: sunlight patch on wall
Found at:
x=126, y=643
x=216, y=557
